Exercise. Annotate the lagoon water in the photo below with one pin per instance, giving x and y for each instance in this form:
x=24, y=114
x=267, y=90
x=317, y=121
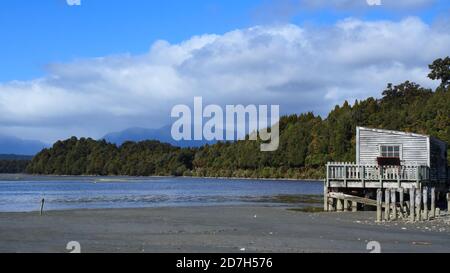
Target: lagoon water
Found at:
x=24, y=193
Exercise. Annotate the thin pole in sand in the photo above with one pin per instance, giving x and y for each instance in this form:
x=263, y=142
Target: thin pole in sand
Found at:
x=42, y=206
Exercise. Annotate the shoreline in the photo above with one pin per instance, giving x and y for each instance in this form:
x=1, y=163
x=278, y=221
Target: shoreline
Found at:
x=149, y=177
x=286, y=206
x=235, y=229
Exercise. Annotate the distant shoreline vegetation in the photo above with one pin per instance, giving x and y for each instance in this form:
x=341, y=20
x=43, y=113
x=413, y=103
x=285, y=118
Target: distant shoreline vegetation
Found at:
x=307, y=141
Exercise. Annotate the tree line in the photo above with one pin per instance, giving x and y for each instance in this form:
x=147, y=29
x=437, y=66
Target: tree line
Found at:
x=307, y=141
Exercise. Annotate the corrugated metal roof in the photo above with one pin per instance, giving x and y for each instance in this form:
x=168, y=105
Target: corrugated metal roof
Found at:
x=392, y=132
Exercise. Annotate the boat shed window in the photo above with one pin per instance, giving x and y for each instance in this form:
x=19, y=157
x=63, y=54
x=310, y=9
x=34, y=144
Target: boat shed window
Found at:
x=390, y=151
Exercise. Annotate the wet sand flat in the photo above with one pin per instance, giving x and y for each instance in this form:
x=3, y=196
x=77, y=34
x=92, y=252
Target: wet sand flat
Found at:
x=215, y=229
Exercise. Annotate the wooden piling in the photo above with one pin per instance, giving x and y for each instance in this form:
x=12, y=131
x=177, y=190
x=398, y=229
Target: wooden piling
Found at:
x=327, y=181
x=425, y=202
x=387, y=196
x=331, y=204
x=433, y=202
x=354, y=206
x=379, y=204
x=345, y=176
x=346, y=205
x=394, y=204
x=325, y=198
x=363, y=177
x=339, y=205
x=380, y=174
x=402, y=201
x=412, y=206
x=418, y=205
x=417, y=178
x=448, y=202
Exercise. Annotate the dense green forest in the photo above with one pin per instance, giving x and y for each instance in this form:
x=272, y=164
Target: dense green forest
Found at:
x=307, y=141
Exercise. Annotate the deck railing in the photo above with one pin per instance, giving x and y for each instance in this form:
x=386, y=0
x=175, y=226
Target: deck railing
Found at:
x=347, y=171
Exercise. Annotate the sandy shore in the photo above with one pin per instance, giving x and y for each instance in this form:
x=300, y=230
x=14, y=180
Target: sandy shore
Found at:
x=214, y=229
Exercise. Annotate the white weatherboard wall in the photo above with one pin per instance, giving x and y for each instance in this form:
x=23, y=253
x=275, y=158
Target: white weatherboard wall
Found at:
x=414, y=148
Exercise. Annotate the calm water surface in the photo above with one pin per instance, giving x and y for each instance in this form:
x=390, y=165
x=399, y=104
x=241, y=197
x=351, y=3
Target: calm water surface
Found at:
x=23, y=193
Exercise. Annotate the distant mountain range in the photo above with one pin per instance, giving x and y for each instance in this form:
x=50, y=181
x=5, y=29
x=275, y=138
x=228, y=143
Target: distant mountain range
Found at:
x=10, y=145
x=162, y=134
x=15, y=157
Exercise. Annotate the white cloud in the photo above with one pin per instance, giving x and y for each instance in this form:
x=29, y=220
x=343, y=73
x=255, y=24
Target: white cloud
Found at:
x=301, y=69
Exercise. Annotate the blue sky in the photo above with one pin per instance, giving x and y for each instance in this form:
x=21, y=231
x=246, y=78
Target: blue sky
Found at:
x=36, y=33
x=40, y=32
x=106, y=66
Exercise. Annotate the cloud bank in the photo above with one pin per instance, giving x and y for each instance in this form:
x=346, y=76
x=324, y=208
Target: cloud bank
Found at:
x=299, y=68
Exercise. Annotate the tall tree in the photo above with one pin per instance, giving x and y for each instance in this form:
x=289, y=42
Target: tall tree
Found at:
x=440, y=70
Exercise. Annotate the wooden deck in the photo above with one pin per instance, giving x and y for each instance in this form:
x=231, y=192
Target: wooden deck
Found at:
x=351, y=175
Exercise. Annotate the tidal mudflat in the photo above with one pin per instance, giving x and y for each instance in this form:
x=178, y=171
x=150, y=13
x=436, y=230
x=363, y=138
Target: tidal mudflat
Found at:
x=214, y=229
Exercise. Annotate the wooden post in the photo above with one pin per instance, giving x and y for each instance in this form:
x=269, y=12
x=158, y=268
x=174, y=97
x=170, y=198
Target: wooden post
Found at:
x=418, y=205
x=339, y=204
x=328, y=175
x=412, y=206
x=42, y=206
x=401, y=194
x=425, y=202
x=448, y=202
x=399, y=181
x=379, y=204
x=331, y=204
x=387, y=196
x=381, y=176
x=417, y=178
x=345, y=175
x=433, y=202
x=363, y=177
x=346, y=205
x=394, y=204
x=354, y=206
x=325, y=197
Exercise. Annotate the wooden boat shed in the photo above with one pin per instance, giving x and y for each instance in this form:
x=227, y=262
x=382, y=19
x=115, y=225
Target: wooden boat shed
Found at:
x=387, y=159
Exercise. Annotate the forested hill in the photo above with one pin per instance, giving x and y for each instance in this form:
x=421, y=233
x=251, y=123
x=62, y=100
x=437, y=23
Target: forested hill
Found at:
x=307, y=141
